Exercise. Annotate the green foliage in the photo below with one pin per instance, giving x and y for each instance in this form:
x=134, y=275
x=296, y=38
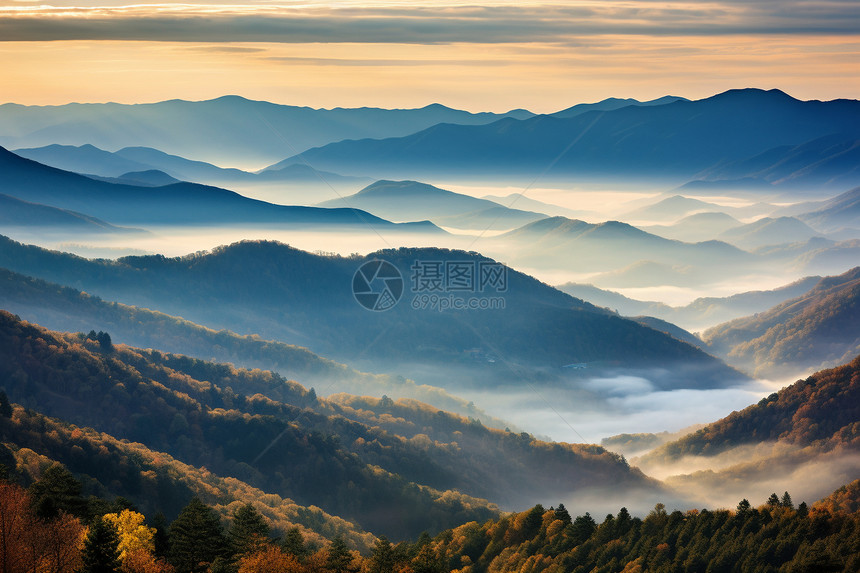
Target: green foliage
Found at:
x=196, y=538
x=5, y=406
x=338, y=557
x=248, y=531
x=101, y=549
x=57, y=491
x=294, y=543
x=382, y=557
x=778, y=540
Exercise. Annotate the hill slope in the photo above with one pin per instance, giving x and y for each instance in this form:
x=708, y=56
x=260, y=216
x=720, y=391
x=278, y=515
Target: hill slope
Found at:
x=154, y=481
x=306, y=299
x=70, y=310
x=841, y=211
x=180, y=203
x=818, y=329
x=23, y=214
x=703, y=312
x=412, y=201
x=359, y=460
x=804, y=439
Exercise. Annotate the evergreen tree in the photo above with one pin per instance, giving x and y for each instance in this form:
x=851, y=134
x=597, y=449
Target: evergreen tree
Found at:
x=294, y=543
x=196, y=538
x=338, y=557
x=382, y=557
x=5, y=406
x=104, y=341
x=100, y=553
x=533, y=521
x=583, y=527
x=160, y=539
x=427, y=561
x=249, y=531
x=562, y=514
x=744, y=506
x=773, y=500
x=623, y=521
x=786, y=501
x=57, y=490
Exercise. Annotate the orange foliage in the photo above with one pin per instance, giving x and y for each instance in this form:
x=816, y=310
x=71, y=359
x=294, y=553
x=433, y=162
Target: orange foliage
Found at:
x=142, y=561
x=31, y=544
x=270, y=559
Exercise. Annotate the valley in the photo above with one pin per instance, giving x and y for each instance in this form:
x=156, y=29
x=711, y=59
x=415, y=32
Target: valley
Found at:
x=429, y=325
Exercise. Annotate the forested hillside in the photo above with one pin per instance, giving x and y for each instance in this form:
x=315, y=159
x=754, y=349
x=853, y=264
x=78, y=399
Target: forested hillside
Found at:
x=293, y=296
x=349, y=460
x=70, y=310
x=816, y=330
x=153, y=481
x=773, y=537
x=824, y=406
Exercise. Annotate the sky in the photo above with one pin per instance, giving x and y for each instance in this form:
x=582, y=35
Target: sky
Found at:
x=479, y=56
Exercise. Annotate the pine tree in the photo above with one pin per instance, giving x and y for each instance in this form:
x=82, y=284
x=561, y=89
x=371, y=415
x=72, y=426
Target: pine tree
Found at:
x=382, y=556
x=249, y=530
x=786, y=501
x=57, y=490
x=294, y=543
x=338, y=557
x=160, y=539
x=562, y=514
x=100, y=553
x=583, y=527
x=773, y=500
x=5, y=406
x=196, y=538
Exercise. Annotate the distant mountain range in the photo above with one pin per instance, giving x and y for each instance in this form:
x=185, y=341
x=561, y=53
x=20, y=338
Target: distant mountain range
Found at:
x=411, y=201
x=672, y=142
x=229, y=130
x=828, y=162
x=699, y=314
x=695, y=228
x=818, y=329
x=90, y=160
x=608, y=246
x=178, y=203
x=768, y=231
x=835, y=214
x=613, y=103
x=307, y=299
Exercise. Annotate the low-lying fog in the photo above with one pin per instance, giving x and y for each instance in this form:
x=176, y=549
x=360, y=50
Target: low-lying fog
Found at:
x=611, y=406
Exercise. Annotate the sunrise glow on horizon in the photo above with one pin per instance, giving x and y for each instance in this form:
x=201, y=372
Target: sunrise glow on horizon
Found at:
x=491, y=56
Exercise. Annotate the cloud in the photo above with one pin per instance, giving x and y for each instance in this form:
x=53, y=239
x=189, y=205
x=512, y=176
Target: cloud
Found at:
x=425, y=24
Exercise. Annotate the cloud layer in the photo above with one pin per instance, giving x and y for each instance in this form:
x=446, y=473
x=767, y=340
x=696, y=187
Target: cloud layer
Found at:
x=424, y=23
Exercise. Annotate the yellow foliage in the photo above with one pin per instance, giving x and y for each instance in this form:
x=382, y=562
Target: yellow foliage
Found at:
x=133, y=534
